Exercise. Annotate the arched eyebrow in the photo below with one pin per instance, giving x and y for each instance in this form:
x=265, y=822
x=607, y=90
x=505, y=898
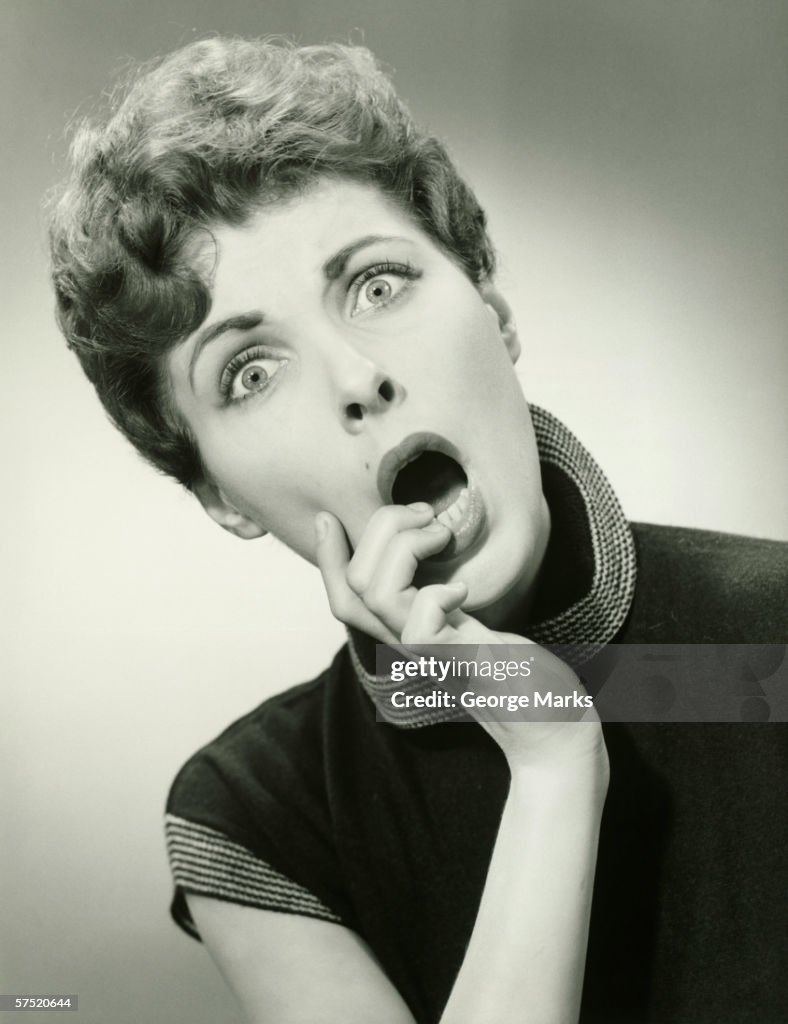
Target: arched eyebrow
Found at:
x=335, y=265
x=243, y=322
x=333, y=268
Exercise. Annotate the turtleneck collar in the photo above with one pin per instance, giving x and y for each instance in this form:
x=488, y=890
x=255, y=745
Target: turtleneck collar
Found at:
x=587, y=580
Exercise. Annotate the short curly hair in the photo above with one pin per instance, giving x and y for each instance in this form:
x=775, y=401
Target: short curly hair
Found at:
x=205, y=136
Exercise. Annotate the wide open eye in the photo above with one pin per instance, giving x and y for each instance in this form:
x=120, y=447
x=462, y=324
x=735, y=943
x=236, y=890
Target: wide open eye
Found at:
x=377, y=292
x=248, y=374
x=380, y=285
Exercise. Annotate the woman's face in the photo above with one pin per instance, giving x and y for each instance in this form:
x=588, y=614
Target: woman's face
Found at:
x=338, y=331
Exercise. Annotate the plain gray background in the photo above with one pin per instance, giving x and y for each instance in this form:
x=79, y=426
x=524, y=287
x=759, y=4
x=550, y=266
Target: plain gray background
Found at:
x=632, y=156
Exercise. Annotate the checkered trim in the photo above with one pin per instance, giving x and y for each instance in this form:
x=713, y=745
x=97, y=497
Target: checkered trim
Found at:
x=582, y=629
x=205, y=861
x=594, y=620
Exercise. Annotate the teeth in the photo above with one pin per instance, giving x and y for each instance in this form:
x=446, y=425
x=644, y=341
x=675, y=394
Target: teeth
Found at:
x=455, y=513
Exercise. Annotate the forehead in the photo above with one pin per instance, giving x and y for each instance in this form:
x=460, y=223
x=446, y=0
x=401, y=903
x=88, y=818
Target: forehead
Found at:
x=299, y=234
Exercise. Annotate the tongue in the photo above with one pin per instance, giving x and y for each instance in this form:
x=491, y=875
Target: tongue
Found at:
x=432, y=477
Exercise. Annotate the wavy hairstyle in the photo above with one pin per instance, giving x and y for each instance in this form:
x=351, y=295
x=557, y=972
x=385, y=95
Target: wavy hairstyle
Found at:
x=205, y=136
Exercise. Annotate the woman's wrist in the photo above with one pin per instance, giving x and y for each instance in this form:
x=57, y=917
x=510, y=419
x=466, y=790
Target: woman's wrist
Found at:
x=570, y=780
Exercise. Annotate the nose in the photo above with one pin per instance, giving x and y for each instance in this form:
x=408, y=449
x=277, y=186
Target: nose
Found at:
x=379, y=393
x=364, y=389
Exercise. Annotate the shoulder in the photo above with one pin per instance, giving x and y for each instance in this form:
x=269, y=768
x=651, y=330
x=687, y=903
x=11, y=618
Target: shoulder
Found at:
x=254, y=752
x=697, y=586
x=276, y=753
x=248, y=817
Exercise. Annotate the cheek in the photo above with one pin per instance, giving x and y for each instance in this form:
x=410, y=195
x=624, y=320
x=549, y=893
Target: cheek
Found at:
x=280, y=486
x=477, y=362
x=246, y=473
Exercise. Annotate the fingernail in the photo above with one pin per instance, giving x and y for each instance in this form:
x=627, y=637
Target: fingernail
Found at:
x=321, y=525
x=420, y=506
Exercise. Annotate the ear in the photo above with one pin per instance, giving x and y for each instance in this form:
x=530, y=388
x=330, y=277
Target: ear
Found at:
x=224, y=512
x=503, y=313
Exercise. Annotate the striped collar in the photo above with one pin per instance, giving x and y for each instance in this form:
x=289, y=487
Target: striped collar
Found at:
x=588, y=576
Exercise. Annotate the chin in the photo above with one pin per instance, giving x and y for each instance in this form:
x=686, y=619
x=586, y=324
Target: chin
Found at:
x=502, y=579
x=505, y=589
x=499, y=577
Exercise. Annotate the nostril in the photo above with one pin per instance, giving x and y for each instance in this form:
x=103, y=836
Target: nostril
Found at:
x=354, y=411
x=386, y=391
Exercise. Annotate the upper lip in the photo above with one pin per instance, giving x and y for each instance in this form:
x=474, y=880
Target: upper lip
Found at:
x=406, y=451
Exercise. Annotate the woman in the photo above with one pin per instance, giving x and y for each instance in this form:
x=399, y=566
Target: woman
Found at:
x=284, y=295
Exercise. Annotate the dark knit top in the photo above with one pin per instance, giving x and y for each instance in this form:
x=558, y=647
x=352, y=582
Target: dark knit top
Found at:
x=309, y=805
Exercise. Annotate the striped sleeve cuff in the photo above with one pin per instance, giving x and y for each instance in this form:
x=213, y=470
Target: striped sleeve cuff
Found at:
x=205, y=861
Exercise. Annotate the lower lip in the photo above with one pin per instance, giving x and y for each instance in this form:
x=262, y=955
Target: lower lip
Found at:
x=466, y=529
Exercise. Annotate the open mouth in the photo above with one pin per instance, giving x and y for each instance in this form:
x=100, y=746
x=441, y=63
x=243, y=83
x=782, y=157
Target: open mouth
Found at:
x=427, y=467
x=432, y=477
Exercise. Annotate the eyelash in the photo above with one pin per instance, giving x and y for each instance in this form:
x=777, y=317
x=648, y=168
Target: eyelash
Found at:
x=405, y=270
x=233, y=368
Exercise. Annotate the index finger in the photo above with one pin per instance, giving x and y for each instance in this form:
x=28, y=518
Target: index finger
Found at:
x=333, y=555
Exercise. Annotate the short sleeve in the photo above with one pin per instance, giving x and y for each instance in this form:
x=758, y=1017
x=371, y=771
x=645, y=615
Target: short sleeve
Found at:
x=247, y=818
x=205, y=861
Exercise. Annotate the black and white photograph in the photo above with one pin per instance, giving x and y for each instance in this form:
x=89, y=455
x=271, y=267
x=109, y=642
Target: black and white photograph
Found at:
x=395, y=535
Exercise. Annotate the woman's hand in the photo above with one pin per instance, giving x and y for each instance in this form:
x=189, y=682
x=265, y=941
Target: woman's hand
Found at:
x=374, y=591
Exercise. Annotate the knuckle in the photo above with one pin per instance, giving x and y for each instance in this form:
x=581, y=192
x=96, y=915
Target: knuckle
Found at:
x=414, y=634
x=424, y=620
x=377, y=598
x=356, y=579
x=409, y=545
x=400, y=543
x=340, y=606
x=386, y=515
x=426, y=603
